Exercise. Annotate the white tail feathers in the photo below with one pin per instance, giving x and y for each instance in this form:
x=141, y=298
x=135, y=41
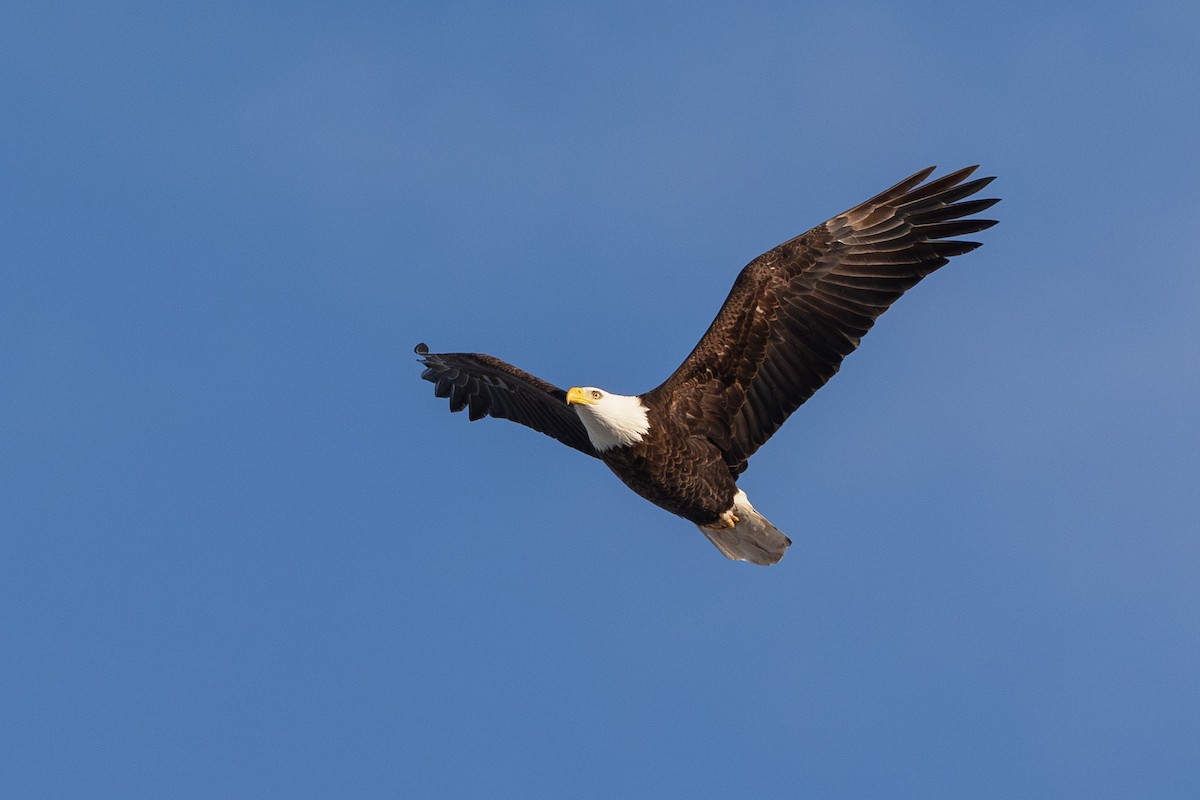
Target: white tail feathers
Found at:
x=752, y=538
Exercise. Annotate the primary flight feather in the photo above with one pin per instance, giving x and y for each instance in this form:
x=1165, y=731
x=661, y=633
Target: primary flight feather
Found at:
x=793, y=314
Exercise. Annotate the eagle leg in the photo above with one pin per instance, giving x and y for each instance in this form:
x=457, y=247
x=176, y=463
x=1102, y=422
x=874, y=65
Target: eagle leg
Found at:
x=728, y=519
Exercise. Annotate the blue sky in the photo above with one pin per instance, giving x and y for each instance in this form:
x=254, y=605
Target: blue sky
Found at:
x=247, y=554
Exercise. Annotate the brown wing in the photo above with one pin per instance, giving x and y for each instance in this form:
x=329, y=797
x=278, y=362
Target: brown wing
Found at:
x=796, y=311
x=487, y=386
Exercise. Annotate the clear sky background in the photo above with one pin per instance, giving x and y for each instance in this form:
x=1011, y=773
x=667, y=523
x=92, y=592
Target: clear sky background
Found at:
x=246, y=553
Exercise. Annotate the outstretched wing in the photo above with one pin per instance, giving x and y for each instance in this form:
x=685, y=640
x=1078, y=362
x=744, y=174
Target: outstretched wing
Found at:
x=487, y=386
x=796, y=311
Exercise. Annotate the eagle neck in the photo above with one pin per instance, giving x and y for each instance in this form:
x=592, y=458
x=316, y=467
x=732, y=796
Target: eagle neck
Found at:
x=615, y=421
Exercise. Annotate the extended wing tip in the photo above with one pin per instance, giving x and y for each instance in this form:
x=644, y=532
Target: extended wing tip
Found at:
x=962, y=173
x=421, y=349
x=918, y=177
x=984, y=181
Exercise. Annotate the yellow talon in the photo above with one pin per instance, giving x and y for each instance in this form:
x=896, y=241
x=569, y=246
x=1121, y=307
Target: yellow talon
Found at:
x=728, y=519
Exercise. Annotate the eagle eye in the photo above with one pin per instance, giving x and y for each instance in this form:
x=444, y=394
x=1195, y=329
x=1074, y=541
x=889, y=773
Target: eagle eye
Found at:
x=595, y=394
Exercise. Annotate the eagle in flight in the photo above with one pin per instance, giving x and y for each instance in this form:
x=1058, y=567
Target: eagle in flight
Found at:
x=793, y=314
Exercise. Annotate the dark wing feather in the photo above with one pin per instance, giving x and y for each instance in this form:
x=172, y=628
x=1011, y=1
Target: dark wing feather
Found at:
x=487, y=386
x=796, y=311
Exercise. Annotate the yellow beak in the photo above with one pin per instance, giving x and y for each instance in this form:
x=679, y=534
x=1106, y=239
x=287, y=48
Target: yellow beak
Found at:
x=578, y=396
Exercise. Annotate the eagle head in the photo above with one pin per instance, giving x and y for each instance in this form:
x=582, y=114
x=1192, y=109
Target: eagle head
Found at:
x=612, y=420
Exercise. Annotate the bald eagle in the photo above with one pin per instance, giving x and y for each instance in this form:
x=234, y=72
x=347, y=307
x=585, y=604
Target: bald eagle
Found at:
x=793, y=314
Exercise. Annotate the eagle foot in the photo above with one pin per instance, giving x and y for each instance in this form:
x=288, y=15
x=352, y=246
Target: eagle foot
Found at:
x=727, y=519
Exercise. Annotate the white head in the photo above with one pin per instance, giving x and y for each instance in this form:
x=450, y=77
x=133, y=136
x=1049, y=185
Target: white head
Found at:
x=612, y=420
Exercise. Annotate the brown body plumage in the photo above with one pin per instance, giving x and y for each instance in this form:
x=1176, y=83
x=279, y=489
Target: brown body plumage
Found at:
x=792, y=316
x=677, y=470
